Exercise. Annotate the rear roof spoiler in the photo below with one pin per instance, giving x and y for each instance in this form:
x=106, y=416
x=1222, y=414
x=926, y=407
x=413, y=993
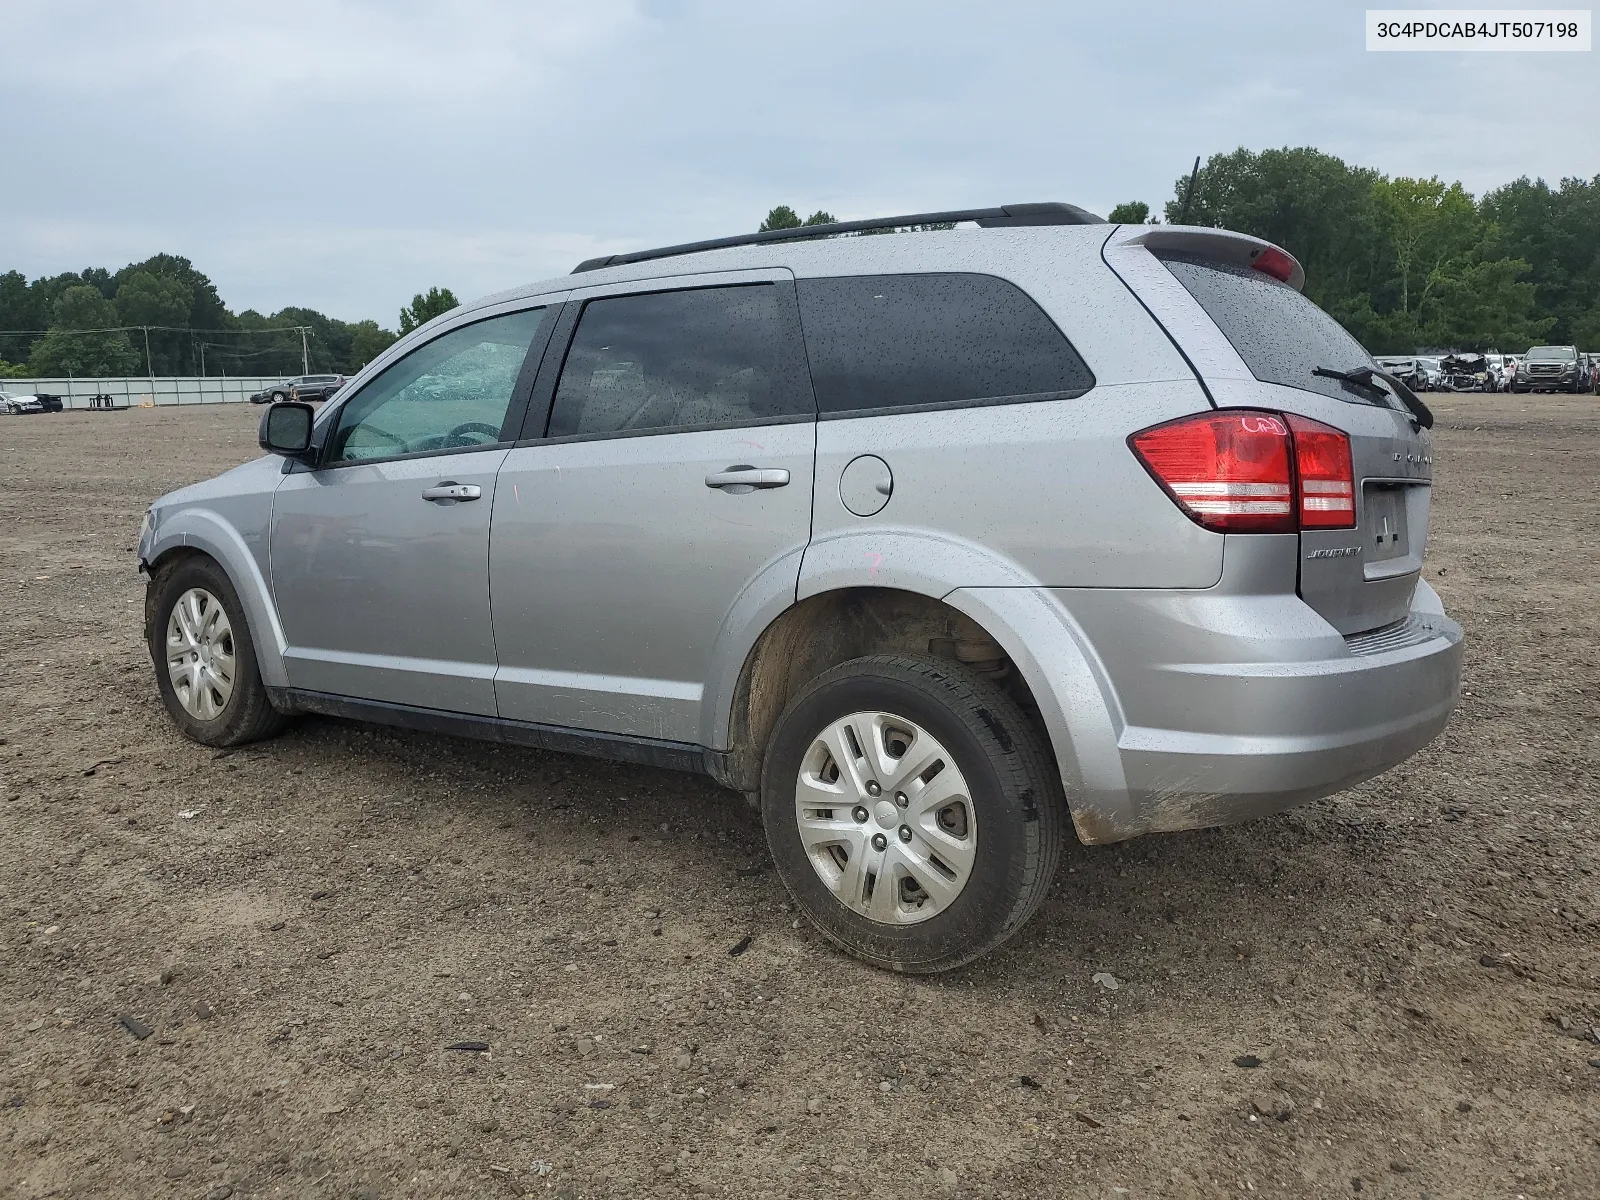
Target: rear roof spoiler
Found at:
x=1220, y=245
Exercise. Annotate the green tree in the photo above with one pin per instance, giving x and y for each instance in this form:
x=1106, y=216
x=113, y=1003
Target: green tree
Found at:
x=19, y=310
x=424, y=308
x=784, y=217
x=146, y=299
x=1430, y=229
x=1134, y=212
x=1557, y=232
x=1585, y=330
x=367, y=341
x=781, y=217
x=62, y=351
x=1486, y=306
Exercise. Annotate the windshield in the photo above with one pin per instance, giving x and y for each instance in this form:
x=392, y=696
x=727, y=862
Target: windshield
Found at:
x=1561, y=353
x=1283, y=337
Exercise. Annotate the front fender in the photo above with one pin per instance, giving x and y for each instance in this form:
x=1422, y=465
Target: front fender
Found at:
x=203, y=529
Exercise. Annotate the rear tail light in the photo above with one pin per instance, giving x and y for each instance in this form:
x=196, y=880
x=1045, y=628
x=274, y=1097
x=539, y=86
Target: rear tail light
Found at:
x=1230, y=471
x=1252, y=472
x=1327, y=484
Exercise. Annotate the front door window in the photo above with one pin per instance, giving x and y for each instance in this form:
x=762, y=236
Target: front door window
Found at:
x=450, y=394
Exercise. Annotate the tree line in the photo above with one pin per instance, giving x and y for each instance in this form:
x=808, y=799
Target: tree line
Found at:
x=1410, y=264
x=78, y=323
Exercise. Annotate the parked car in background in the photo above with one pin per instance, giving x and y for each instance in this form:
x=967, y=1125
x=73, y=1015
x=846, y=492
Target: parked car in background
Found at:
x=1589, y=367
x=1499, y=371
x=1408, y=371
x=15, y=405
x=301, y=387
x=927, y=544
x=1549, y=369
x=315, y=387
x=1428, y=370
x=1465, y=373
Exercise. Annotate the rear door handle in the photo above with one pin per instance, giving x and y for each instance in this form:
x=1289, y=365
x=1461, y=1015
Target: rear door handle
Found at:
x=744, y=478
x=449, y=490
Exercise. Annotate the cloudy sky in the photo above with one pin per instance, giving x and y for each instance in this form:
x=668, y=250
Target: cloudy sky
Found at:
x=344, y=154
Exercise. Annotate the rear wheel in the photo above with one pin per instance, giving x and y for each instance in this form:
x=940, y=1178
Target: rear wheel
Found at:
x=204, y=659
x=912, y=811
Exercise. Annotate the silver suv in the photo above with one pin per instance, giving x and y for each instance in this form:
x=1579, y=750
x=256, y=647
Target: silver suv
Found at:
x=923, y=542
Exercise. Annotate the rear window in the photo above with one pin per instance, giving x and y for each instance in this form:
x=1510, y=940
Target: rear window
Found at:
x=908, y=341
x=1282, y=336
x=696, y=359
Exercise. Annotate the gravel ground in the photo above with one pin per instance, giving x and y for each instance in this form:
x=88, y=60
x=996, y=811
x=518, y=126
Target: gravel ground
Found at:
x=1392, y=992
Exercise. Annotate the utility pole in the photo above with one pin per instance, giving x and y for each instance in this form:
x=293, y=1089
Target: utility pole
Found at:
x=305, y=359
x=202, y=360
x=149, y=364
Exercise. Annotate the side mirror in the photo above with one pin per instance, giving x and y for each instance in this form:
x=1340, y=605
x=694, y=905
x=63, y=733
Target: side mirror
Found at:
x=286, y=429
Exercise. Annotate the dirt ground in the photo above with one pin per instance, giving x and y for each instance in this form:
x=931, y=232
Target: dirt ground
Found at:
x=304, y=927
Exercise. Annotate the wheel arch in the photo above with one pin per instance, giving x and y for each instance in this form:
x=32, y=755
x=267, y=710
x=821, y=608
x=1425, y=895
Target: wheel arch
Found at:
x=1020, y=638
x=821, y=631
x=198, y=531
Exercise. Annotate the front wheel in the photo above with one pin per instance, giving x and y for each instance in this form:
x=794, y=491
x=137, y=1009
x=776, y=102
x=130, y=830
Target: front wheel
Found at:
x=912, y=811
x=204, y=659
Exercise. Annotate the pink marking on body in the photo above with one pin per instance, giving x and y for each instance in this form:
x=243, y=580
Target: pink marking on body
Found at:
x=877, y=560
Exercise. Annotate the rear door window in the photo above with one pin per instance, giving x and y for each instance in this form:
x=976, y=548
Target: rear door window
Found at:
x=698, y=359
x=1282, y=336
x=888, y=342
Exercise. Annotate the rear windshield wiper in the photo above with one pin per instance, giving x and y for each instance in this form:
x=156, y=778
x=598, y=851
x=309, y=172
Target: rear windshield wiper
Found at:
x=1362, y=377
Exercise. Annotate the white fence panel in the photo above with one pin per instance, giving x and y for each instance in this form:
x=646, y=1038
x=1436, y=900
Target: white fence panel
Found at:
x=140, y=390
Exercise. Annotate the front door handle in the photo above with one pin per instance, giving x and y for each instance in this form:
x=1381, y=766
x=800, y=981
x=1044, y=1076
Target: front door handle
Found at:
x=450, y=490
x=745, y=478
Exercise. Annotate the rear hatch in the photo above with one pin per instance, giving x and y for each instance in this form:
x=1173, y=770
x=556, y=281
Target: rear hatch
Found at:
x=1361, y=578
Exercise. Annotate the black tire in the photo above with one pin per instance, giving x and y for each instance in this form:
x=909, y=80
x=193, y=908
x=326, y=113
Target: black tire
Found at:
x=248, y=715
x=279, y=397
x=1013, y=786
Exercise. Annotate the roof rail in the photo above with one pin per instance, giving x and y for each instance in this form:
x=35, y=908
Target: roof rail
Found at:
x=1052, y=213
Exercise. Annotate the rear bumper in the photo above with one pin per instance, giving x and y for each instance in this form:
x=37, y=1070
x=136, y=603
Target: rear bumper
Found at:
x=1336, y=722
x=1244, y=706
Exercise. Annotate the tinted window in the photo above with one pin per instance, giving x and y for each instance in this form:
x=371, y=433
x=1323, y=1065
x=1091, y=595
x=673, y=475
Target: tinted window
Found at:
x=1282, y=336
x=450, y=393
x=895, y=341
x=666, y=360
